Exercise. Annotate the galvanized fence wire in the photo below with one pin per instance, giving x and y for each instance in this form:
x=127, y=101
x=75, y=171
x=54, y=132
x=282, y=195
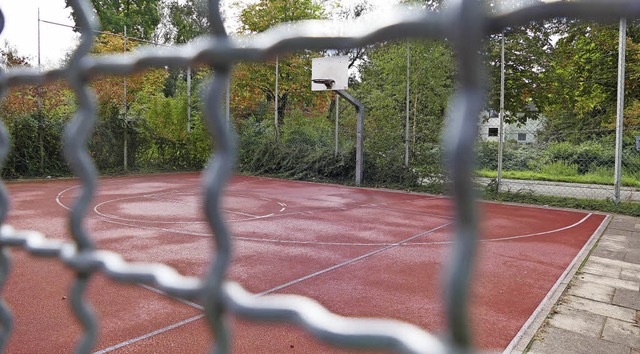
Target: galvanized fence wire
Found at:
x=574, y=163
x=463, y=22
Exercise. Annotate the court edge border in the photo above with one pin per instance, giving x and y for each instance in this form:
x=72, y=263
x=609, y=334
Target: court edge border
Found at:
x=528, y=331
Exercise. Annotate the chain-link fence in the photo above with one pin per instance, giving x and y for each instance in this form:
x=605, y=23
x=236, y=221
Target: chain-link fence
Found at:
x=573, y=164
x=462, y=23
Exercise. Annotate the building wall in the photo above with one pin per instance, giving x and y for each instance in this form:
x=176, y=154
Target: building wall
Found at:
x=523, y=133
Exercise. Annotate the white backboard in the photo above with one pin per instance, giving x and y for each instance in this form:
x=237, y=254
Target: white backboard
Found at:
x=330, y=68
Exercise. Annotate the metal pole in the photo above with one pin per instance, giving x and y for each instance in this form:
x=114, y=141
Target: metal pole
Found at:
x=39, y=66
x=337, y=116
x=40, y=115
x=406, y=125
x=188, y=99
x=359, y=133
x=275, y=119
x=620, y=110
x=501, y=117
x=126, y=138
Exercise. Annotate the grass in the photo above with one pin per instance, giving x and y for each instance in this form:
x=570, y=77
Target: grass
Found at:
x=607, y=205
x=599, y=176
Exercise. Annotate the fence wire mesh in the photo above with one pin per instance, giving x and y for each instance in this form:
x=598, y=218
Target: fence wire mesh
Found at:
x=463, y=23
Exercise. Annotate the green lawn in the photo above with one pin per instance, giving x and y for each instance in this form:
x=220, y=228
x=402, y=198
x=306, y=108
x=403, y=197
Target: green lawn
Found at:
x=597, y=177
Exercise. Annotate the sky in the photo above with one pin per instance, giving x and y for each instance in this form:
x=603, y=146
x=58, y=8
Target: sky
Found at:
x=21, y=28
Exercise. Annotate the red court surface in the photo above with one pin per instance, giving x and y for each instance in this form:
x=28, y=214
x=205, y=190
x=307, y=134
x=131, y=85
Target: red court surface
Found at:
x=359, y=252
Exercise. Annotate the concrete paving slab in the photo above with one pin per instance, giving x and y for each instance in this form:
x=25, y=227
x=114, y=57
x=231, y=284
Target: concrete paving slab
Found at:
x=612, y=245
x=601, y=308
x=622, y=232
x=617, y=255
x=618, y=238
x=594, y=291
x=579, y=321
x=629, y=274
x=615, y=262
x=616, y=283
x=627, y=298
x=622, y=332
x=557, y=340
x=623, y=224
x=607, y=270
x=632, y=256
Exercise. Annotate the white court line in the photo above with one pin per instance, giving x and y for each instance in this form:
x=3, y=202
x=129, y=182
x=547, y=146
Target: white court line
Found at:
x=327, y=243
x=149, y=335
x=326, y=270
x=529, y=328
x=353, y=260
x=301, y=279
x=160, y=292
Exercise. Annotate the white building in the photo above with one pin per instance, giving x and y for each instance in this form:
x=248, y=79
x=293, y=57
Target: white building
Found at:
x=520, y=132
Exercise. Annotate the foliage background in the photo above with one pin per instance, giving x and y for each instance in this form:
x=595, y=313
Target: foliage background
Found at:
x=561, y=71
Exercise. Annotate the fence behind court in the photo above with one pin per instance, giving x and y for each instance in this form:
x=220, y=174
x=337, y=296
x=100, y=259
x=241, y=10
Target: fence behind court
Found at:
x=463, y=23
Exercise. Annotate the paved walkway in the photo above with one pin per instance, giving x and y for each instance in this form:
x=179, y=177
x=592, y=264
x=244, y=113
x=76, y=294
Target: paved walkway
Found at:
x=599, y=312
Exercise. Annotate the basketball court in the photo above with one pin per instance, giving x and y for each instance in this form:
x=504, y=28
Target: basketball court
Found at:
x=359, y=252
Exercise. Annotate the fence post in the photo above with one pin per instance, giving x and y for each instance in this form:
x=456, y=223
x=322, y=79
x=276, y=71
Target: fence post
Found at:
x=620, y=110
x=359, y=133
x=501, y=114
x=406, y=125
x=275, y=119
x=337, y=127
x=126, y=137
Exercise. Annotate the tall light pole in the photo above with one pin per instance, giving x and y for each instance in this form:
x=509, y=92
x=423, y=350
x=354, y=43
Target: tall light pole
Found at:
x=126, y=138
x=501, y=117
x=620, y=110
x=275, y=118
x=406, y=125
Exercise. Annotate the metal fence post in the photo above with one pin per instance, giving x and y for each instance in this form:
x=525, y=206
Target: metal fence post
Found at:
x=620, y=111
x=501, y=129
x=359, y=133
x=275, y=118
x=337, y=127
x=406, y=126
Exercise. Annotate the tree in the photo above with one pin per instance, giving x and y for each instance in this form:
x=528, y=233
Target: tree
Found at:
x=116, y=125
x=383, y=91
x=527, y=50
x=580, y=95
x=294, y=73
x=188, y=20
x=264, y=14
x=141, y=17
x=10, y=58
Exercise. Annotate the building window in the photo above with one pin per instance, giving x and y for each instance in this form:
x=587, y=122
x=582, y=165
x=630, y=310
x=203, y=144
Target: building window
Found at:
x=522, y=136
x=493, y=131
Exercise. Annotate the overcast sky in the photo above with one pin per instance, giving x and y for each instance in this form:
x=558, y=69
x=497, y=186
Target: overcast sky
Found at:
x=21, y=28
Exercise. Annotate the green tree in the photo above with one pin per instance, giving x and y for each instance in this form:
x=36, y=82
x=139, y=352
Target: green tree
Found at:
x=141, y=17
x=527, y=51
x=581, y=90
x=264, y=14
x=188, y=20
x=294, y=73
x=383, y=91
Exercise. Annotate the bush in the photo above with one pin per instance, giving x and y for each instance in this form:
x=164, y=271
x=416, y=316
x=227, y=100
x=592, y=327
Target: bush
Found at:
x=587, y=156
x=515, y=156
